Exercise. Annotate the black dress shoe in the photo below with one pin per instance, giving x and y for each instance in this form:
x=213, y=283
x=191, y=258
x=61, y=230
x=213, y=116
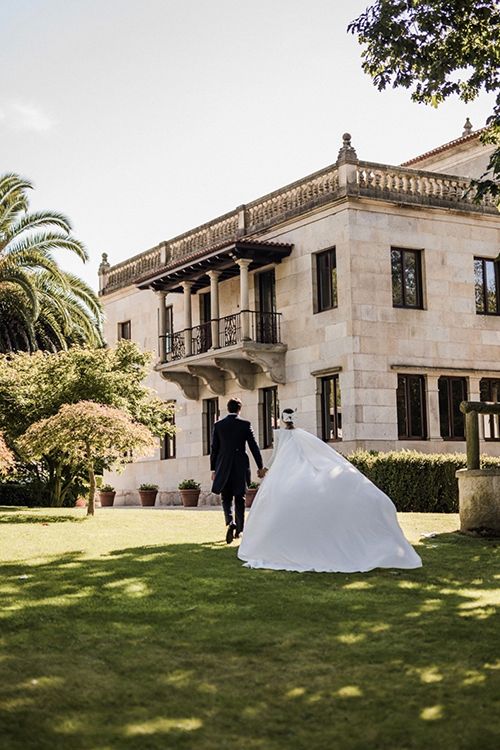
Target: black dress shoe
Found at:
x=230, y=532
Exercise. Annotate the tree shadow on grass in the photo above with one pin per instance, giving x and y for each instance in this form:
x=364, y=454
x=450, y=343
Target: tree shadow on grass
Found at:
x=37, y=518
x=178, y=646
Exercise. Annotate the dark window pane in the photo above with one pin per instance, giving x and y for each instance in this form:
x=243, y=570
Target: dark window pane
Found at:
x=452, y=391
x=331, y=416
x=489, y=390
x=444, y=414
x=326, y=268
x=478, y=284
x=415, y=387
x=397, y=277
x=401, y=406
x=210, y=416
x=457, y=396
x=410, y=279
x=491, y=286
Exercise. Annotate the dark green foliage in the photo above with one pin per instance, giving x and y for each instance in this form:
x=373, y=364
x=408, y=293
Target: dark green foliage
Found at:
x=417, y=482
x=437, y=49
x=32, y=495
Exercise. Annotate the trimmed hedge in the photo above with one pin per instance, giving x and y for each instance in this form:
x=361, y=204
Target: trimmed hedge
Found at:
x=33, y=495
x=417, y=482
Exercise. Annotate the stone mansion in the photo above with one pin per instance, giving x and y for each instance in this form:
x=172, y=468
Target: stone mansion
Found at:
x=366, y=296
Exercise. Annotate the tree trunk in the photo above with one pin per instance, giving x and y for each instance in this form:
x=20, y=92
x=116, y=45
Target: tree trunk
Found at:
x=90, y=464
x=55, y=484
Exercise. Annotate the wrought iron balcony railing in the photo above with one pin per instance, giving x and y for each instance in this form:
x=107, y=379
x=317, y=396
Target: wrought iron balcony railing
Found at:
x=263, y=328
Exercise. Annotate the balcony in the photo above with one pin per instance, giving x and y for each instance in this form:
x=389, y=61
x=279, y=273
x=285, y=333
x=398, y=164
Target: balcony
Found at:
x=247, y=343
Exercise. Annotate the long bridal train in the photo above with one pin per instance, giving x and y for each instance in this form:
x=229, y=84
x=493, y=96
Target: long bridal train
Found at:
x=315, y=512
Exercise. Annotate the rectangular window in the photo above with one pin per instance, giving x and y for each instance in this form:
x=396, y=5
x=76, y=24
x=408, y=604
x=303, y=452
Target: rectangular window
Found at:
x=406, y=268
x=452, y=391
x=489, y=389
x=487, y=287
x=331, y=412
x=270, y=414
x=326, y=280
x=124, y=330
x=210, y=417
x=412, y=422
x=167, y=443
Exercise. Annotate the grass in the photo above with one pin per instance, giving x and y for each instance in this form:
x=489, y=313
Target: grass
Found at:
x=140, y=630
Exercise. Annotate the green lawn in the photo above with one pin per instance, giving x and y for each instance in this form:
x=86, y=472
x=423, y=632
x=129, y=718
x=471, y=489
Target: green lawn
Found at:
x=140, y=629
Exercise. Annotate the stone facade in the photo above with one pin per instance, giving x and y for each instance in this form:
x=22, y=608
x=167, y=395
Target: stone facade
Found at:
x=362, y=210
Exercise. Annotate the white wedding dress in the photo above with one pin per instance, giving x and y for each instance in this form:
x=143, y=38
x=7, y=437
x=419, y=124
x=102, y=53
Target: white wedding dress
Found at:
x=315, y=512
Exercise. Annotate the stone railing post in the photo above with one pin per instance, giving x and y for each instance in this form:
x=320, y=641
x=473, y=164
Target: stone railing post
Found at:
x=103, y=273
x=347, y=161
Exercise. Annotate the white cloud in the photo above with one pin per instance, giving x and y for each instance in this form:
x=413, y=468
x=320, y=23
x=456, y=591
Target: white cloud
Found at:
x=19, y=116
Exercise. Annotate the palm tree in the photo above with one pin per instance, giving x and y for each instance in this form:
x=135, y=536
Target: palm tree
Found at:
x=41, y=306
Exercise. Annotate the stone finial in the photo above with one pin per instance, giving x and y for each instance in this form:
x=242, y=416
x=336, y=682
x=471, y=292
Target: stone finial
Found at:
x=347, y=152
x=104, y=266
x=467, y=127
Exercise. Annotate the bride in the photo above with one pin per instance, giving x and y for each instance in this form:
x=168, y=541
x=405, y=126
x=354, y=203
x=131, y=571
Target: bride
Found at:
x=315, y=512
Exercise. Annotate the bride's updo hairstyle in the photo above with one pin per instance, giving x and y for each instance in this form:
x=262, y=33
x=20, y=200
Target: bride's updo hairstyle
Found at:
x=287, y=418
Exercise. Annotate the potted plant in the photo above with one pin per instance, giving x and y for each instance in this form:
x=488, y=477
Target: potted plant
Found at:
x=106, y=495
x=147, y=494
x=190, y=492
x=252, y=490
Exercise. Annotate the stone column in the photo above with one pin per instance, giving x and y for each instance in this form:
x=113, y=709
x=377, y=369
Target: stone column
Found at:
x=214, y=306
x=433, y=426
x=244, y=263
x=188, y=321
x=475, y=395
x=162, y=326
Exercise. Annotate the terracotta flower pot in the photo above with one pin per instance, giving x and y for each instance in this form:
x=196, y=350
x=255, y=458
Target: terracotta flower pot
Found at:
x=107, y=498
x=148, y=497
x=190, y=498
x=249, y=496
x=81, y=502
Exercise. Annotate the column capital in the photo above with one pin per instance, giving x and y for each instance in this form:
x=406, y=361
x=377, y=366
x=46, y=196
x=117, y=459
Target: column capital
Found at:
x=213, y=274
x=187, y=285
x=160, y=293
x=243, y=262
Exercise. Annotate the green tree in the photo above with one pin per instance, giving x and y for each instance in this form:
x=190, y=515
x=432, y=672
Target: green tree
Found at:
x=34, y=387
x=41, y=306
x=437, y=48
x=83, y=434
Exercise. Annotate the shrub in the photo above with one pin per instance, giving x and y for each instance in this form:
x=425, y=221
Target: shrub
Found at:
x=32, y=495
x=253, y=486
x=146, y=487
x=189, y=484
x=106, y=488
x=417, y=482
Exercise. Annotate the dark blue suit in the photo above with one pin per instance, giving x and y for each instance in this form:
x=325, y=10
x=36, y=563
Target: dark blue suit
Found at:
x=229, y=460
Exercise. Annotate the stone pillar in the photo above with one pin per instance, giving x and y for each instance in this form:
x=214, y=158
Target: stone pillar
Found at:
x=433, y=425
x=475, y=395
x=244, y=263
x=214, y=306
x=188, y=324
x=346, y=163
x=103, y=273
x=162, y=326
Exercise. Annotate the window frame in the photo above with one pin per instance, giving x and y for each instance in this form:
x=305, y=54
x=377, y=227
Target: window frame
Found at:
x=121, y=327
x=493, y=419
x=418, y=253
x=484, y=291
x=210, y=416
x=268, y=397
x=325, y=408
x=168, y=443
x=321, y=305
x=408, y=378
x=449, y=397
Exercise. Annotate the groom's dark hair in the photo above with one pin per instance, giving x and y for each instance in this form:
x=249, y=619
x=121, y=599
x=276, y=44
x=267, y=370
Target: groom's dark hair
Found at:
x=234, y=405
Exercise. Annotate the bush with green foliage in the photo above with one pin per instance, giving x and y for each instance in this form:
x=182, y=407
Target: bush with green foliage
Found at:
x=146, y=487
x=417, y=482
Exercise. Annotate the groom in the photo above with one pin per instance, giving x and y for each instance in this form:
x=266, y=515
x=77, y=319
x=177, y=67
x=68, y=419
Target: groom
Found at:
x=230, y=465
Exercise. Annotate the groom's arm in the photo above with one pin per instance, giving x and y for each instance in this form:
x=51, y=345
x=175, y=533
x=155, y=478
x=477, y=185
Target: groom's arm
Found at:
x=254, y=448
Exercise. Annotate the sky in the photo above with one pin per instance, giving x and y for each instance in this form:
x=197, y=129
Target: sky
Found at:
x=141, y=119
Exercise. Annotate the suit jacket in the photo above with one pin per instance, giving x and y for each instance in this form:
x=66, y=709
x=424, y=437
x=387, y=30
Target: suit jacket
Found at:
x=228, y=457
